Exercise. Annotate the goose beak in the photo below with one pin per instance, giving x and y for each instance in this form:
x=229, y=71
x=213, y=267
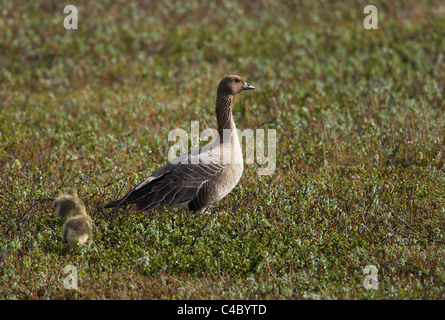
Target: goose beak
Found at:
x=248, y=86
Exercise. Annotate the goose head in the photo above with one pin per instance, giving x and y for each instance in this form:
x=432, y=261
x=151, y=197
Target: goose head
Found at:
x=233, y=84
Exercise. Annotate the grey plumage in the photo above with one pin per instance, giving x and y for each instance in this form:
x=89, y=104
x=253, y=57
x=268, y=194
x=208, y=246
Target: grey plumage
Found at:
x=196, y=180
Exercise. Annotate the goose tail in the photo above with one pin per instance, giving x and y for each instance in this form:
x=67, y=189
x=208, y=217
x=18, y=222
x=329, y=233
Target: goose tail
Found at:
x=116, y=203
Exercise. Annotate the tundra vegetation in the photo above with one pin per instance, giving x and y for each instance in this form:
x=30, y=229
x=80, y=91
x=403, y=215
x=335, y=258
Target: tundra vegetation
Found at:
x=359, y=120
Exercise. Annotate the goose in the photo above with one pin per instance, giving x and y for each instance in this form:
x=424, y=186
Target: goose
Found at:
x=197, y=179
x=77, y=227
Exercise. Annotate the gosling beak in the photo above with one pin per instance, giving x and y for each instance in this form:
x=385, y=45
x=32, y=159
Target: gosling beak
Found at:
x=248, y=86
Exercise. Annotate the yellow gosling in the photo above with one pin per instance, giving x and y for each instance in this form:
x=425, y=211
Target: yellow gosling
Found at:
x=77, y=227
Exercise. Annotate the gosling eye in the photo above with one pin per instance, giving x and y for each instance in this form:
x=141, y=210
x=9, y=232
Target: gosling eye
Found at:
x=237, y=80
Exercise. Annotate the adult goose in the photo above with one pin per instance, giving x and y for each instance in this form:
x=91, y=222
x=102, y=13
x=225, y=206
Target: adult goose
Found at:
x=197, y=179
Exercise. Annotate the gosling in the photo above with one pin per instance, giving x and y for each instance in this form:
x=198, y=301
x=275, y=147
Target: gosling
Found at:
x=77, y=228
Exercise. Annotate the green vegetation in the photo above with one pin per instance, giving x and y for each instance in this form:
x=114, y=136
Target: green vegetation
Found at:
x=360, y=121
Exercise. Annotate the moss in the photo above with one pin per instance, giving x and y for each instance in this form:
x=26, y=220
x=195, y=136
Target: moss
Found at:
x=360, y=158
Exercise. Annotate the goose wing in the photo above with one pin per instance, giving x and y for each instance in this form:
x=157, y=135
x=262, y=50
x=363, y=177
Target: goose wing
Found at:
x=173, y=183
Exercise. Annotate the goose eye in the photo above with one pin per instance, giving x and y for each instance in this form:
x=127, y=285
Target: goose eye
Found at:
x=236, y=80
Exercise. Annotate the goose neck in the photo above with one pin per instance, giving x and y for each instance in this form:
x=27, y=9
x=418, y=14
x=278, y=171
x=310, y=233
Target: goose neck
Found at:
x=224, y=115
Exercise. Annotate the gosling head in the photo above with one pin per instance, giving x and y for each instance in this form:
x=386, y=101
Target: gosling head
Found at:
x=77, y=230
x=233, y=85
x=68, y=205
